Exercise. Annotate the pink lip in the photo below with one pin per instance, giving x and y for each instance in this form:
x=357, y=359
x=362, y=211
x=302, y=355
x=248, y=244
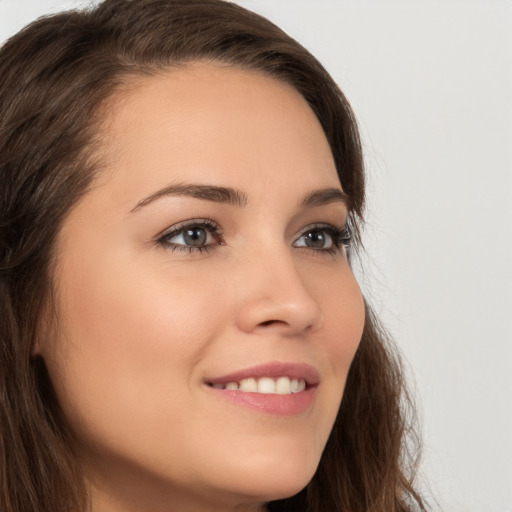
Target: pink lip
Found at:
x=282, y=405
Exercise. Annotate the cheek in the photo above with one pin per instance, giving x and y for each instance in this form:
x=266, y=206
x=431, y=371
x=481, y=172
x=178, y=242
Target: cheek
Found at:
x=344, y=317
x=127, y=308
x=130, y=337
x=343, y=310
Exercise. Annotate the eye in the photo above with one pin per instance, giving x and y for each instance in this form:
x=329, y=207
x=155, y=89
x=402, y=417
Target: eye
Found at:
x=191, y=236
x=324, y=238
x=315, y=239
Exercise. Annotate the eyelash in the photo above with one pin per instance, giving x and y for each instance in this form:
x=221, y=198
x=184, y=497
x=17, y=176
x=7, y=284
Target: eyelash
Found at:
x=340, y=237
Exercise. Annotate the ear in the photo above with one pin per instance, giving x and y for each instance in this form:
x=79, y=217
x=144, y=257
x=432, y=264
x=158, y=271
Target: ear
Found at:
x=37, y=345
x=36, y=349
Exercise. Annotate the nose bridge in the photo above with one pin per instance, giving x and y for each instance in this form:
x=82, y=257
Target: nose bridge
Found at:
x=274, y=294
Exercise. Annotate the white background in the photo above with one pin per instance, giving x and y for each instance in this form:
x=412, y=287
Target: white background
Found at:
x=431, y=84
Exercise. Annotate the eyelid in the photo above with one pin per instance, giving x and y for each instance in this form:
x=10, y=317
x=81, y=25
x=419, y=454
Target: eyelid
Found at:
x=180, y=226
x=345, y=229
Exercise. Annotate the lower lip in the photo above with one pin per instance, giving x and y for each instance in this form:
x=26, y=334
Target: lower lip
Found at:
x=281, y=405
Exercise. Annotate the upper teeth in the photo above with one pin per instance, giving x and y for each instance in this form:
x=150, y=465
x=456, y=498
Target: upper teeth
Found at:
x=279, y=386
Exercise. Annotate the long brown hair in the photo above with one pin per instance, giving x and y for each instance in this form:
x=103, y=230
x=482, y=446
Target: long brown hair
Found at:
x=57, y=77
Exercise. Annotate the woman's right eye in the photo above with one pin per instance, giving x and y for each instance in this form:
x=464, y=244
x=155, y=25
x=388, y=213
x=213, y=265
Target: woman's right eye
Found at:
x=192, y=236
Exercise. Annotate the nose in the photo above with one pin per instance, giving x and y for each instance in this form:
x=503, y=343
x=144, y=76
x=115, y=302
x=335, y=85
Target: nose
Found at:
x=275, y=298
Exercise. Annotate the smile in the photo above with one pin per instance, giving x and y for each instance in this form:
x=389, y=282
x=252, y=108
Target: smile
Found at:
x=265, y=385
x=275, y=388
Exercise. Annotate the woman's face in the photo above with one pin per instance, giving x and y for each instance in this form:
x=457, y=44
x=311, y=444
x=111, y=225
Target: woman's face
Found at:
x=208, y=257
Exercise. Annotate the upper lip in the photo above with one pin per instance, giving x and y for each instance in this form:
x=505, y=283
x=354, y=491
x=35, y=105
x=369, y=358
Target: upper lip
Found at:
x=272, y=370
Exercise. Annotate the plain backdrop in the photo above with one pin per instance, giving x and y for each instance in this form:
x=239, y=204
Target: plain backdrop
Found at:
x=431, y=84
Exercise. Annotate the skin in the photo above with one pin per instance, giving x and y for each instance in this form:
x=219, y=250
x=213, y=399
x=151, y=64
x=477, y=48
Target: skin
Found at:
x=142, y=324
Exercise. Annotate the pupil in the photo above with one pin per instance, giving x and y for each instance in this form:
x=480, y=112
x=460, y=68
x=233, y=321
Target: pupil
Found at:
x=195, y=236
x=315, y=239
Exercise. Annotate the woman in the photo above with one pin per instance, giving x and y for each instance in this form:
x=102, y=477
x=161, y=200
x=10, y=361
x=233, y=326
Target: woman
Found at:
x=182, y=184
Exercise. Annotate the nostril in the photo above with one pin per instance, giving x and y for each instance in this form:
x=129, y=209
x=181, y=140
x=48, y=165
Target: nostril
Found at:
x=270, y=322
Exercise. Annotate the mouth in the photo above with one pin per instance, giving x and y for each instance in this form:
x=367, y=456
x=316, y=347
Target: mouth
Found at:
x=276, y=388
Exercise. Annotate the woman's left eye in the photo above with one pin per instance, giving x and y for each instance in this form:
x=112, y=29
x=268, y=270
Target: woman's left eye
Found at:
x=324, y=238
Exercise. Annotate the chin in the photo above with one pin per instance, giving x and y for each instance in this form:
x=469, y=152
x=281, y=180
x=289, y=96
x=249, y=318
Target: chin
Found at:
x=274, y=480
x=286, y=488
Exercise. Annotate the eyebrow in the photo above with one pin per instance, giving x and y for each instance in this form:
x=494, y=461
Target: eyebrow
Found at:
x=325, y=196
x=212, y=193
x=235, y=197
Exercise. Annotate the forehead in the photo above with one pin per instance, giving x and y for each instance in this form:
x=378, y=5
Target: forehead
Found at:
x=216, y=124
